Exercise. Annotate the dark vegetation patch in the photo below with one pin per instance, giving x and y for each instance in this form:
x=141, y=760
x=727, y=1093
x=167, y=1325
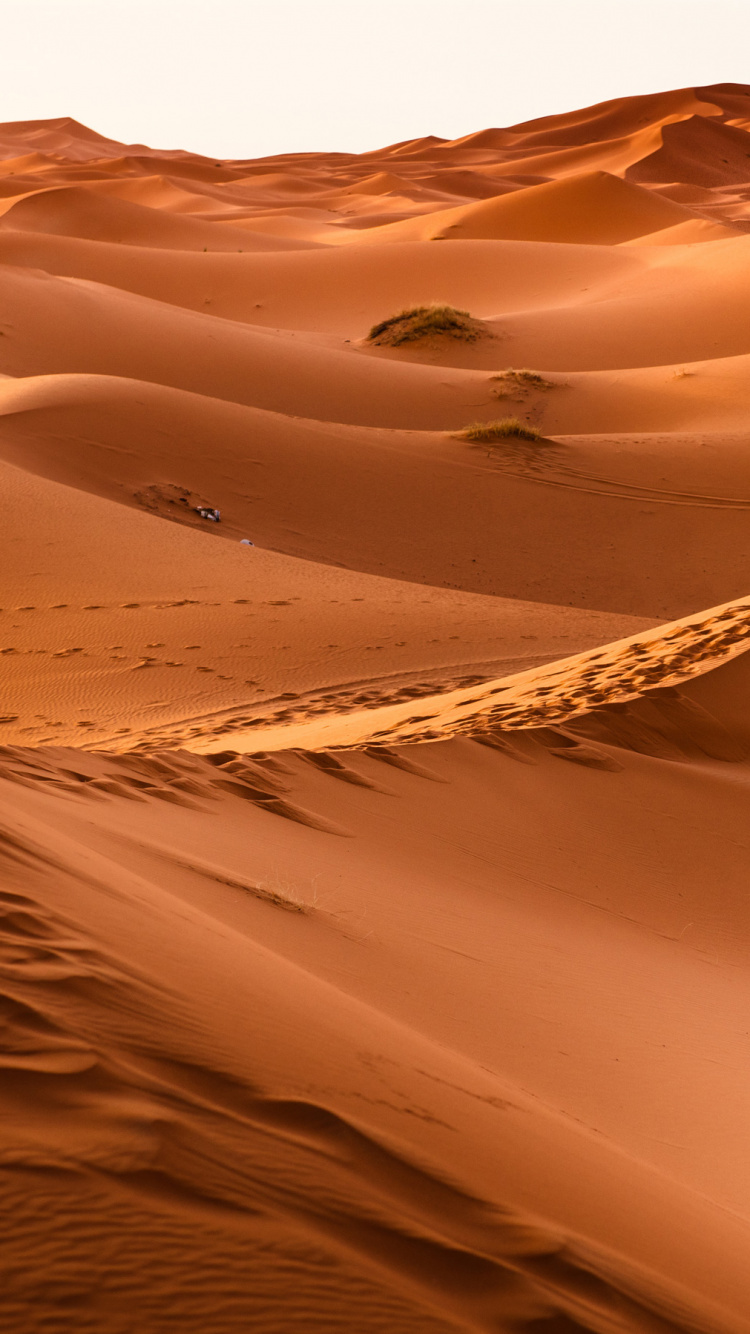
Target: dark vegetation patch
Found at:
x=409, y=326
x=510, y=428
x=518, y=384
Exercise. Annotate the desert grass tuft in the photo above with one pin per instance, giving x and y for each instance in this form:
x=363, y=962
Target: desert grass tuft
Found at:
x=425, y=322
x=284, y=893
x=511, y=380
x=510, y=428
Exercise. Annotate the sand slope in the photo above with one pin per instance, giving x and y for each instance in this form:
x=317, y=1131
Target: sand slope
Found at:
x=593, y=208
x=567, y=523
x=80, y=212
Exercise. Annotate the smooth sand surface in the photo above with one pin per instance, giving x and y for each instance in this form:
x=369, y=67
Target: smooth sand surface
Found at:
x=374, y=931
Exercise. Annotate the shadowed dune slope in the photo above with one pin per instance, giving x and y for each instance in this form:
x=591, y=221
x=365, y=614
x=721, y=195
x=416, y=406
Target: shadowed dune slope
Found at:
x=698, y=150
x=645, y=525
x=290, y=1138
x=80, y=212
x=686, y=233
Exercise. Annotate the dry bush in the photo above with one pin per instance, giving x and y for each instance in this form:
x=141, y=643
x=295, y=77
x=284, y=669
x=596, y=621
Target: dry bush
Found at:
x=510, y=428
x=285, y=893
x=425, y=322
x=514, y=381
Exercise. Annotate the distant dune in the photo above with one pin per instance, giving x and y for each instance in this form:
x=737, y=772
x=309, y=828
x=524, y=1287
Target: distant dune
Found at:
x=373, y=913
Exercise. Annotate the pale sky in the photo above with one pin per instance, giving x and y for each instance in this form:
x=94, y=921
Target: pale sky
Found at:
x=245, y=78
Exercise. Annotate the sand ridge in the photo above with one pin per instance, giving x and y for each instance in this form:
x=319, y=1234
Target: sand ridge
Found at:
x=552, y=694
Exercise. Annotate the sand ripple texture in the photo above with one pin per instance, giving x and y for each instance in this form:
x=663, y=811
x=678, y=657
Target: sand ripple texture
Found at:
x=553, y=694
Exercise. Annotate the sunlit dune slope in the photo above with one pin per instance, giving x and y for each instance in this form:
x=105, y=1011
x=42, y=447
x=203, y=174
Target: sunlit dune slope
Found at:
x=342, y=290
x=687, y=233
x=610, y=676
x=55, y=326
x=623, y=115
x=594, y=208
x=64, y=137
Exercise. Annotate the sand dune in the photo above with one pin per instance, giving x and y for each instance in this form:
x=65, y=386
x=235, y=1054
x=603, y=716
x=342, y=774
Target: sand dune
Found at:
x=79, y=212
x=283, y=1170
x=623, y=115
x=59, y=326
x=686, y=233
x=240, y=627
x=344, y=495
x=689, y=395
x=373, y=916
x=608, y=155
x=561, y=693
x=554, y=308
x=65, y=138
x=342, y=291
x=699, y=150
x=593, y=208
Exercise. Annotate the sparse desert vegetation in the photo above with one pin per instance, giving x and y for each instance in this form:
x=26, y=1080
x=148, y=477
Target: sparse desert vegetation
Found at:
x=409, y=326
x=513, y=383
x=283, y=892
x=509, y=428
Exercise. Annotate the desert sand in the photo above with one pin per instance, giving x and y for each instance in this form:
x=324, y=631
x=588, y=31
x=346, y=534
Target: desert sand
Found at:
x=320, y=1010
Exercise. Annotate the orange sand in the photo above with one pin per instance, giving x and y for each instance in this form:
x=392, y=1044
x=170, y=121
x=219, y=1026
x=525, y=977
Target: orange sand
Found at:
x=321, y=1011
